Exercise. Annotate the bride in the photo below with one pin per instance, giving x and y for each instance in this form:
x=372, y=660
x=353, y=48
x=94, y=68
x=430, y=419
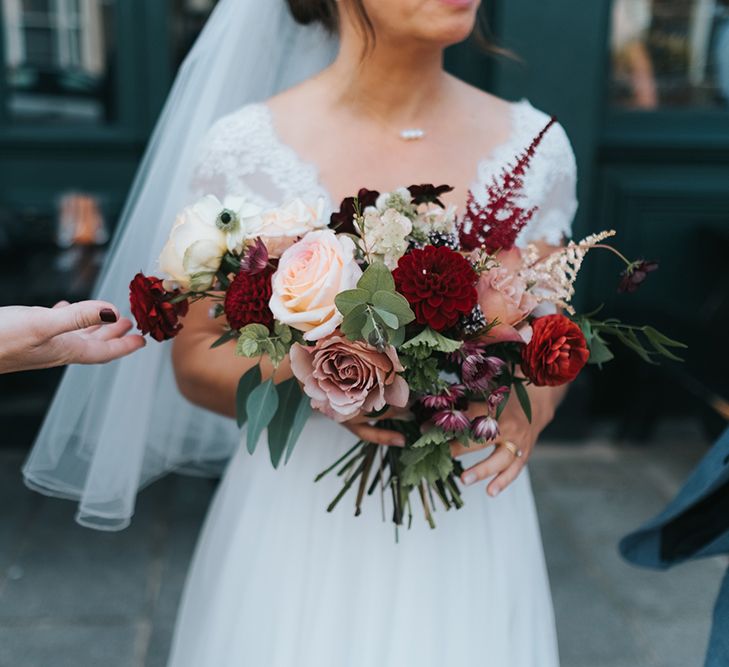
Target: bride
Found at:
x=271, y=109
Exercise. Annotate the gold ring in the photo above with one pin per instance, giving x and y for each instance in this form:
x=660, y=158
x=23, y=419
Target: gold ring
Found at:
x=512, y=448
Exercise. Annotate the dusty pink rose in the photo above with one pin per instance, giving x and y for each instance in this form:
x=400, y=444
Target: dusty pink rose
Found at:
x=344, y=378
x=503, y=295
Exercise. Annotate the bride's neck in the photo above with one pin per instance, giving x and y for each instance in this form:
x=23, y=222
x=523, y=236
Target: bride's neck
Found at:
x=392, y=82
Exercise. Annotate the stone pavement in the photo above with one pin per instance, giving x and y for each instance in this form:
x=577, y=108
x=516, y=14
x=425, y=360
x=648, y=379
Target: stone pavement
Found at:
x=70, y=597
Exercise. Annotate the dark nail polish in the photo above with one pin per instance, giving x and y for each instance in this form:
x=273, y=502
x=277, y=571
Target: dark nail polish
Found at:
x=108, y=316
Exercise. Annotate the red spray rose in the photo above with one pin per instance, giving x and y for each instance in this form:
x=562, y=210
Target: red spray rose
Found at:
x=246, y=301
x=556, y=353
x=439, y=284
x=151, y=306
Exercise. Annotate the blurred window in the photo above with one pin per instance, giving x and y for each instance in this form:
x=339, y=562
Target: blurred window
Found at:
x=60, y=60
x=670, y=53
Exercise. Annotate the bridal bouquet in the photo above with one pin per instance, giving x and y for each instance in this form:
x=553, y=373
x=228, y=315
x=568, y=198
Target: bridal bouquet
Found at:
x=396, y=308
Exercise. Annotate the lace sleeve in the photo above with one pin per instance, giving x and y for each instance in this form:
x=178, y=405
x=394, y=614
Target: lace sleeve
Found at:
x=213, y=160
x=551, y=184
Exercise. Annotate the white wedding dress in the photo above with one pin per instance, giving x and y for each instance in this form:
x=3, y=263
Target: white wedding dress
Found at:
x=276, y=581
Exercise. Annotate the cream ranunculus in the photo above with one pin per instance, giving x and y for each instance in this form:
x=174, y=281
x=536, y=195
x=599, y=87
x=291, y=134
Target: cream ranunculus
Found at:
x=310, y=274
x=195, y=247
x=281, y=227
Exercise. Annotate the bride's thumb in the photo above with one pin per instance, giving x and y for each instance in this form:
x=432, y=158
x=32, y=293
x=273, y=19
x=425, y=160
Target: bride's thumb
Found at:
x=82, y=315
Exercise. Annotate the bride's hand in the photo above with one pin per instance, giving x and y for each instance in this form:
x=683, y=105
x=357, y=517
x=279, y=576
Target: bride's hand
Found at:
x=363, y=427
x=503, y=464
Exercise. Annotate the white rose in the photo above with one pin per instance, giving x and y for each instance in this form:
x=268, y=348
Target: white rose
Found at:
x=310, y=274
x=195, y=247
x=281, y=227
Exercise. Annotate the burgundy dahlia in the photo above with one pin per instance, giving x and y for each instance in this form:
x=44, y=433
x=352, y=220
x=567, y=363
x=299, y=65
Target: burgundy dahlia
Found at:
x=439, y=284
x=153, y=307
x=246, y=301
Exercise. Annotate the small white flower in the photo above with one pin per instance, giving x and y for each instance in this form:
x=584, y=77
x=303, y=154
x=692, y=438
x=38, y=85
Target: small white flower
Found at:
x=385, y=235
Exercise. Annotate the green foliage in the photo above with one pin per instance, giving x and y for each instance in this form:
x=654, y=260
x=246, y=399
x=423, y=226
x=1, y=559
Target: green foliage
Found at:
x=229, y=335
x=431, y=463
x=255, y=340
x=245, y=386
x=433, y=436
x=433, y=340
x=421, y=371
x=647, y=342
x=374, y=311
x=523, y=396
x=261, y=406
x=289, y=420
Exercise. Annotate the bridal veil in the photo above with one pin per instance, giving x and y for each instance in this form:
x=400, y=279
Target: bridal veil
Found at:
x=113, y=429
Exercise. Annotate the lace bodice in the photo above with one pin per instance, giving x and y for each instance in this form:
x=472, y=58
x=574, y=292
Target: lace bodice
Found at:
x=243, y=155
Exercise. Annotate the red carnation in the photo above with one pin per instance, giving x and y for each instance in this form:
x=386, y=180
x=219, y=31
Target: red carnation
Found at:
x=246, y=301
x=439, y=284
x=556, y=353
x=153, y=308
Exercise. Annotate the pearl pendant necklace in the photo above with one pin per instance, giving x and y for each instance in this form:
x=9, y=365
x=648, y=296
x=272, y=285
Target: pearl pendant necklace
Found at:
x=412, y=134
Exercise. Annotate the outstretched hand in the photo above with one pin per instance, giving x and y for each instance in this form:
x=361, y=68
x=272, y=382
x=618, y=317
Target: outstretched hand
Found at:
x=89, y=332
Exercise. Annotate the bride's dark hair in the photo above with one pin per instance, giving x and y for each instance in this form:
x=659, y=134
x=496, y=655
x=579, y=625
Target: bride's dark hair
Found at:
x=326, y=12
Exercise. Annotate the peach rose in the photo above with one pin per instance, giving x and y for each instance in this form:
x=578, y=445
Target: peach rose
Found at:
x=503, y=295
x=344, y=378
x=310, y=274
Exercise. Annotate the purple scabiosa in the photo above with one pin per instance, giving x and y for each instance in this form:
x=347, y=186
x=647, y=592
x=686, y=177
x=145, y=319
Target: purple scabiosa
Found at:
x=453, y=421
x=485, y=428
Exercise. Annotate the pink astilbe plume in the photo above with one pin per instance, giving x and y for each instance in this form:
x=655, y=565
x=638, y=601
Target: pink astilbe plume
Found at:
x=495, y=225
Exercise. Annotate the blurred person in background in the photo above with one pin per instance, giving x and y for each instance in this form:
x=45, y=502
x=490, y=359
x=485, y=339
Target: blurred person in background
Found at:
x=89, y=332
x=631, y=21
x=694, y=525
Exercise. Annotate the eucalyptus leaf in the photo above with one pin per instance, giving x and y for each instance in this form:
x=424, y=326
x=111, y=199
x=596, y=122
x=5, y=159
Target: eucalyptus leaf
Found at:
x=261, y=406
x=394, y=303
x=377, y=277
x=348, y=300
x=388, y=319
x=353, y=322
x=246, y=385
x=397, y=337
